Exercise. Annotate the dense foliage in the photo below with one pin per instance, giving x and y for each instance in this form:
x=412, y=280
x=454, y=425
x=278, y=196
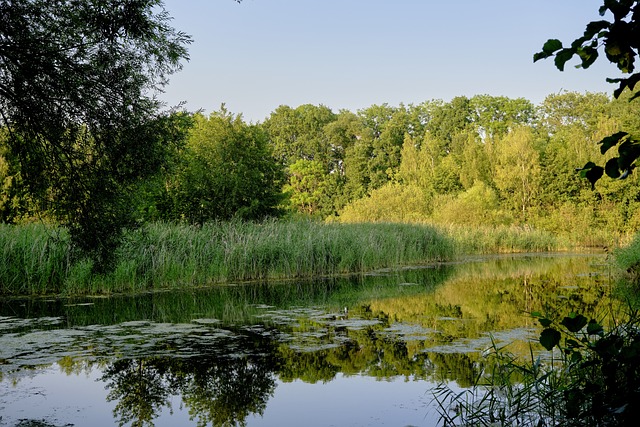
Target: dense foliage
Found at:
x=481, y=161
x=475, y=161
x=84, y=143
x=225, y=171
x=81, y=123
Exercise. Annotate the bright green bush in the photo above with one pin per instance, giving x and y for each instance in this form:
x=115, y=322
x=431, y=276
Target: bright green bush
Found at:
x=389, y=203
x=479, y=206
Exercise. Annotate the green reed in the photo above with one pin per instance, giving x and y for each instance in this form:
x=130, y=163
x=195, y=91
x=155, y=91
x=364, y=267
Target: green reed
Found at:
x=169, y=255
x=503, y=239
x=38, y=259
x=34, y=259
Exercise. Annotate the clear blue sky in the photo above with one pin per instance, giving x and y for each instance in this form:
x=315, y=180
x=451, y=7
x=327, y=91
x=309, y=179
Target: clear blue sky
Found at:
x=259, y=54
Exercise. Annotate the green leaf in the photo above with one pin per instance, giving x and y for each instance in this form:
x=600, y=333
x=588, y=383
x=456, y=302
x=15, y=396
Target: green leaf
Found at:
x=576, y=356
x=545, y=322
x=587, y=166
x=551, y=46
x=588, y=56
x=574, y=322
x=594, y=328
x=549, y=338
x=610, y=141
x=540, y=55
x=594, y=174
x=629, y=82
x=595, y=27
x=629, y=151
x=562, y=57
x=611, y=168
x=577, y=43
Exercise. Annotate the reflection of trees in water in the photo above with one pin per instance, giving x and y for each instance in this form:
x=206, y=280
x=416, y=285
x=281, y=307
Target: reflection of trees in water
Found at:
x=228, y=391
x=141, y=388
x=222, y=384
x=217, y=388
x=224, y=377
x=463, y=368
x=489, y=297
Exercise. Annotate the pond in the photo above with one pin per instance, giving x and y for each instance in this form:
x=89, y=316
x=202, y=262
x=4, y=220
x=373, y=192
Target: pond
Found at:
x=346, y=351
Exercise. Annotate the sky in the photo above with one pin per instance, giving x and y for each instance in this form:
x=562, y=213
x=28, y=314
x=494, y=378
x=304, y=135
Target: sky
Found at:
x=352, y=54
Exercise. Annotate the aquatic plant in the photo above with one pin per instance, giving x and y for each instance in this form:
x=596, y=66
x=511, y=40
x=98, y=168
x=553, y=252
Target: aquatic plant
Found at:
x=37, y=259
x=593, y=378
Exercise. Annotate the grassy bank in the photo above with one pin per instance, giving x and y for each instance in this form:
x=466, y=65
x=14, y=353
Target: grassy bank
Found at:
x=502, y=239
x=37, y=260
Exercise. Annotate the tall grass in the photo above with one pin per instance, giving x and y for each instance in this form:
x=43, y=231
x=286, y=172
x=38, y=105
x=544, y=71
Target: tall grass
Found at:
x=502, y=239
x=161, y=254
x=36, y=259
x=591, y=379
x=628, y=259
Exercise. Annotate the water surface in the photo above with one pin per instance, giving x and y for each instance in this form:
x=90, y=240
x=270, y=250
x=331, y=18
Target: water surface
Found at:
x=358, y=351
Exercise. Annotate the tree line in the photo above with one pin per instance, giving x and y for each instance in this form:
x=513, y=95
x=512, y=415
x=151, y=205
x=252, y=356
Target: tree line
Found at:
x=484, y=160
x=85, y=142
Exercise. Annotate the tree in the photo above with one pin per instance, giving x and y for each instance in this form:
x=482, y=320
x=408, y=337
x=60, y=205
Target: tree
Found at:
x=77, y=96
x=309, y=188
x=620, y=40
x=495, y=115
x=416, y=167
x=390, y=203
x=450, y=119
x=518, y=168
x=227, y=171
x=571, y=123
x=298, y=133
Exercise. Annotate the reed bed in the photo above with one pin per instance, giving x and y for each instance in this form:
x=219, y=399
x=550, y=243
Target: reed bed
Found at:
x=162, y=254
x=503, y=239
x=34, y=259
x=37, y=259
x=627, y=260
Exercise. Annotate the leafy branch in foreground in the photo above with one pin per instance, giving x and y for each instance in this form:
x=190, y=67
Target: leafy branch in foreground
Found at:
x=620, y=40
x=595, y=381
x=603, y=368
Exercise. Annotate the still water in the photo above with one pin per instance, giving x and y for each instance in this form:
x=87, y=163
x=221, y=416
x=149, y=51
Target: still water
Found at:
x=348, y=351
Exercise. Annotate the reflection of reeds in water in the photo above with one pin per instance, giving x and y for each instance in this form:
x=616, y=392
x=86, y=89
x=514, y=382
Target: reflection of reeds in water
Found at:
x=233, y=304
